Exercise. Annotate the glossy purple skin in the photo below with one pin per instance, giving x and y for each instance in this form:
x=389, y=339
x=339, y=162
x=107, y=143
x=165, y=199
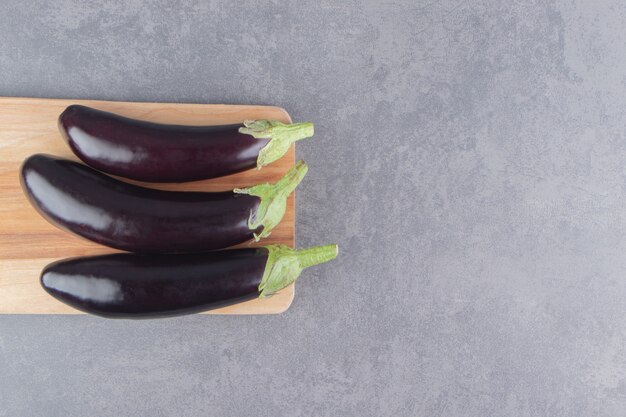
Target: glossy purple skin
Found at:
x=95, y=206
x=156, y=152
x=149, y=286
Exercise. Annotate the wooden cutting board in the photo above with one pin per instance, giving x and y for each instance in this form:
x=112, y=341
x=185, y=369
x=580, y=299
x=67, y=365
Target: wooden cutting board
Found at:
x=28, y=242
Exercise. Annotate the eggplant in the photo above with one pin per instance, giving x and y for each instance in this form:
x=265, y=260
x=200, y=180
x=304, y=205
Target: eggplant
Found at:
x=149, y=286
x=124, y=216
x=154, y=152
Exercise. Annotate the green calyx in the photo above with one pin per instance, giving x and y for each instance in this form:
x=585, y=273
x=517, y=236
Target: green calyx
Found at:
x=273, y=200
x=285, y=264
x=281, y=136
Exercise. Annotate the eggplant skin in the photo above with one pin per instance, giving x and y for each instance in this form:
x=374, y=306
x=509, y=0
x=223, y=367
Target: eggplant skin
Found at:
x=154, y=152
x=110, y=212
x=149, y=286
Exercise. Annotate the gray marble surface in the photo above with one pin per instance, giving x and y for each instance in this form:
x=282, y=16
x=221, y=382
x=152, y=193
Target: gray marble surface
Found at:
x=470, y=160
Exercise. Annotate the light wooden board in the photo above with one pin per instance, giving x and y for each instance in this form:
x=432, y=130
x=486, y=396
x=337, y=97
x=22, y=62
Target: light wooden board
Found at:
x=28, y=242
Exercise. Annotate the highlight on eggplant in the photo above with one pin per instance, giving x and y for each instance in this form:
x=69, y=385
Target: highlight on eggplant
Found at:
x=149, y=286
x=155, y=152
x=124, y=216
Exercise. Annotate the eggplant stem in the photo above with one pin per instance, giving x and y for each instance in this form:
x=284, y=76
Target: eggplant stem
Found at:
x=285, y=264
x=273, y=200
x=281, y=136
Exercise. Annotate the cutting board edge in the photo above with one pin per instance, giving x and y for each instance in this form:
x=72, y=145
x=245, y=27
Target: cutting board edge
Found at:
x=280, y=109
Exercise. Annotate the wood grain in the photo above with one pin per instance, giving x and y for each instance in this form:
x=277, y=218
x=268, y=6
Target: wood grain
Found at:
x=28, y=242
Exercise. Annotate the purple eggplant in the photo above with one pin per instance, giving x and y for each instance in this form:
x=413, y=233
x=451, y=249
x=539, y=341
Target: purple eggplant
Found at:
x=95, y=206
x=154, y=152
x=149, y=286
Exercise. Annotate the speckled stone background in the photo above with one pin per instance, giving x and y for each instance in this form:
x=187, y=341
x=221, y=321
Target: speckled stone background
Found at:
x=470, y=160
